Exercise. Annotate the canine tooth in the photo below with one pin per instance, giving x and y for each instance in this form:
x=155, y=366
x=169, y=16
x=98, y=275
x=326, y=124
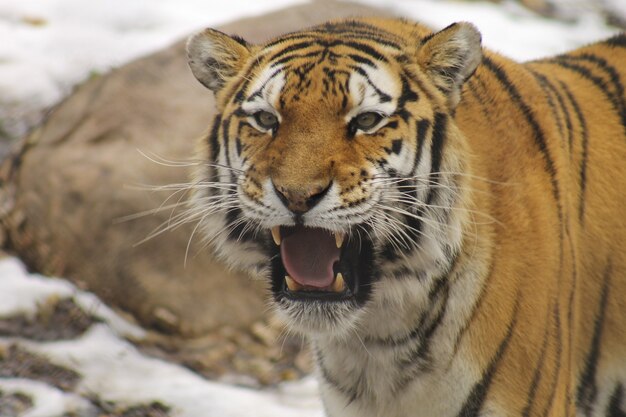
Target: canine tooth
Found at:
x=276, y=235
x=291, y=284
x=339, y=284
x=339, y=238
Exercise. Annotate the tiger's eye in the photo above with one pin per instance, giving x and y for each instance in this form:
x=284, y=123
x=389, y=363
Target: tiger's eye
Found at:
x=367, y=121
x=266, y=119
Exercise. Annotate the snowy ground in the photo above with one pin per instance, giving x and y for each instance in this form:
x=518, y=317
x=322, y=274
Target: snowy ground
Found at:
x=111, y=369
x=49, y=46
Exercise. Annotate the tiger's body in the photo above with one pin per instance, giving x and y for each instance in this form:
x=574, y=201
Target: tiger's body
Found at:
x=480, y=213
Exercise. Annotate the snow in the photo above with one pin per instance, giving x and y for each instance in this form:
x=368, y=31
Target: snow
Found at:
x=115, y=370
x=48, y=401
x=26, y=295
x=112, y=369
x=23, y=296
x=54, y=44
x=508, y=29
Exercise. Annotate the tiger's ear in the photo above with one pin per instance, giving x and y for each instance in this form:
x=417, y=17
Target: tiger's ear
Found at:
x=214, y=57
x=450, y=56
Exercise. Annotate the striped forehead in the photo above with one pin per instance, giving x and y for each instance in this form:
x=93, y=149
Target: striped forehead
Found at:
x=353, y=69
x=264, y=91
x=373, y=89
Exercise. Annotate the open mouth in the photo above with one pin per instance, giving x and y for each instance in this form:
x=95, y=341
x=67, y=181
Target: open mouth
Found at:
x=315, y=264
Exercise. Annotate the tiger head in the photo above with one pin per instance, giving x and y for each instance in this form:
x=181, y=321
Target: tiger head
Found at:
x=332, y=165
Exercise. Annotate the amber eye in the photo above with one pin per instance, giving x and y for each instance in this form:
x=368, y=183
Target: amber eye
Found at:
x=266, y=120
x=366, y=121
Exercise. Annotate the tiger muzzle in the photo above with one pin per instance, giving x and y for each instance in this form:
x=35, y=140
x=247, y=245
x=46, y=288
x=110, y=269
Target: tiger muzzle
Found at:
x=300, y=199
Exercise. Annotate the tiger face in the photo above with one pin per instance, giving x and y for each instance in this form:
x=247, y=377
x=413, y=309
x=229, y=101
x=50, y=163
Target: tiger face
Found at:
x=325, y=166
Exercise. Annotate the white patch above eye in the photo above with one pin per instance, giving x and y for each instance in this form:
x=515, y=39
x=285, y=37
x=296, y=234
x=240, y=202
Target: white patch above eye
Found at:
x=264, y=92
x=368, y=90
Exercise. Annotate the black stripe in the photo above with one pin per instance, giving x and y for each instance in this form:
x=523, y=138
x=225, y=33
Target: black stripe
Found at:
x=587, y=388
x=359, y=46
x=359, y=30
x=233, y=215
x=238, y=145
x=226, y=139
x=407, y=94
x=614, y=409
x=414, y=230
x=389, y=252
x=484, y=289
x=214, y=144
x=616, y=102
x=362, y=60
x=360, y=36
x=244, y=123
x=414, y=225
x=391, y=125
x=423, y=87
x=418, y=360
x=475, y=400
x=259, y=92
x=613, y=76
x=538, y=135
x=420, y=139
x=539, y=370
x=550, y=91
x=617, y=41
x=557, y=360
x=440, y=286
x=479, y=97
x=350, y=33
x=384, y=97
x=604, y=66
x=395, y=341
x=290, y=37
x=239, y=88
x=570, y=313
x=347, y=392
x=352, y=393
x=326, y=375
x=436, y=153
x=396, y=146
x=366, y=49
x=585, y=144
x=440, y=291
x=292, y=48
x=291, y=57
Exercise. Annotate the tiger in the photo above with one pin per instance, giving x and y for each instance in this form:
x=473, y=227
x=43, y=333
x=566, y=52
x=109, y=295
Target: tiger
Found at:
x=444, y=225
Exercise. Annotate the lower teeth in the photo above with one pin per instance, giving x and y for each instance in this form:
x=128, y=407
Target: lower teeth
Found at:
x=337, y=286
x=291, y=284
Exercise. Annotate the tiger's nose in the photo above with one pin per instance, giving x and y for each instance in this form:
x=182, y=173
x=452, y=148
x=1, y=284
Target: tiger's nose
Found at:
x=301, y=199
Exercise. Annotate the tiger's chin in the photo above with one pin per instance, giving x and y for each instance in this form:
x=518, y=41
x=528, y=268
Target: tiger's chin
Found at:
x=320, y=279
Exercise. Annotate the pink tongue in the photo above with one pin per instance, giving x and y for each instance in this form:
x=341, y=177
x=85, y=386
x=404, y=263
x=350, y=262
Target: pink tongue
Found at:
x=308, y=255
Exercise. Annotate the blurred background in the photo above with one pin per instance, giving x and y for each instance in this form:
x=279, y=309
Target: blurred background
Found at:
x=109, y=306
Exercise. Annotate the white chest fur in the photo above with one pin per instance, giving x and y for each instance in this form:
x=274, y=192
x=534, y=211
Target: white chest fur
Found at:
x=424, y=371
